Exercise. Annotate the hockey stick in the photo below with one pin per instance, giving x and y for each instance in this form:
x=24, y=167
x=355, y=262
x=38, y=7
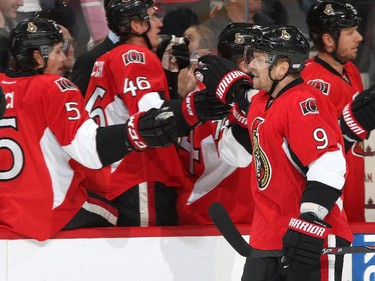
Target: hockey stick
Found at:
x=225, y=225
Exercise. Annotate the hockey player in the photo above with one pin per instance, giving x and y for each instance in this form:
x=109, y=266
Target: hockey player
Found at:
x=129, y=79
x=45, y=128
x=333, y=28
x=296, y=153
x=214, y=180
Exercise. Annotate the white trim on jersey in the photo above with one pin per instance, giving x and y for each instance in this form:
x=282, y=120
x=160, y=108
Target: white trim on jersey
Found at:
x=99, y=210
x=330, y=169
x=331, y=242
x=58, y=167
x=116, y=112
x=143, y=204
x=150, y=100
x=232, y=152
x=83, y=147
x=215, y=170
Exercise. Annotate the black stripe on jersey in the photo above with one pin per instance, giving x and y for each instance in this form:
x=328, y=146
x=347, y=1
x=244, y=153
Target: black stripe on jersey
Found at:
x=321, y=194
x=294, y=159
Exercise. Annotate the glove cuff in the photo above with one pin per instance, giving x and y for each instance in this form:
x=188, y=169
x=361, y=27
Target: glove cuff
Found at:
x=134, y=140
x=352, y=123
x=189, y=111
x=227, y=81
x=237, y=116
x=315, y=228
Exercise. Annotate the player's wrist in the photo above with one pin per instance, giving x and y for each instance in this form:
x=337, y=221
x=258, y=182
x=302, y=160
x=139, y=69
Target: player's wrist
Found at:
x=350, y=125
x=189, y=110
x=133, y=139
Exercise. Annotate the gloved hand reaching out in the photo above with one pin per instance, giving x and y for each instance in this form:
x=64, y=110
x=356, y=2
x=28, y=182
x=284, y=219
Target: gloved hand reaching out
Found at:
x=153, y=128
x=303, y=242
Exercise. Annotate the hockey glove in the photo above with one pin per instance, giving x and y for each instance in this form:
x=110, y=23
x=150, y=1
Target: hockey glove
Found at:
x=2, y=103
x=173, y=53
x=201, y=106
x=303, y=242
x=358, y=117
x=222, y=76
x=153, y=128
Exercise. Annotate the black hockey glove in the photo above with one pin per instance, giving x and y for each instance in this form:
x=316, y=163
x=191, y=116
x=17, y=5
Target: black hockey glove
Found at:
x=223, y=77
x=173, y=53
x=201, y=106
x=2, y=103
x=153, y=128
x=358, y=117
x=303, y=242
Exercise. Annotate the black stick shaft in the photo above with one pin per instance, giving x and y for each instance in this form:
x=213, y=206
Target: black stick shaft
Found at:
x=227, y=228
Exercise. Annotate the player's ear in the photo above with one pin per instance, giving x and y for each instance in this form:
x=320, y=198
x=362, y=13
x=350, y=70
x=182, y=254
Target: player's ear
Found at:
x=38, y=59
x=136, y=26
x=281, y=69
x=328, y=41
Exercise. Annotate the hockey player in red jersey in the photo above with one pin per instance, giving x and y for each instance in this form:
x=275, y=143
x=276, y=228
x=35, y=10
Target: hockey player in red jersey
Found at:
x=214, y=179
x=333, y=28
x=45, y=128
x=124, y=81
x=296, y=153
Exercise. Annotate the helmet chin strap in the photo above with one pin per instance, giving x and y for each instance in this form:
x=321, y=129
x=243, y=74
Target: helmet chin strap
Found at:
x=274, y=81
x=334, y=52
x=335, y=56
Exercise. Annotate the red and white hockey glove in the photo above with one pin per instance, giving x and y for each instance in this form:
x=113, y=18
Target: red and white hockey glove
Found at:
x=153, y=128
x=201, y=106
x=222, y=77
x=237, y=116
x=358, y=117
x=303, y=242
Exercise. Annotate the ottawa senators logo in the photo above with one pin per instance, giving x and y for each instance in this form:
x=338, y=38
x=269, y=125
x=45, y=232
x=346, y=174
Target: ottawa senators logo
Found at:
x=262, y=165
x=309, y=106
x=238, y=39
x=321, y=85
x=65, y=85
x=328, y=10
x=133, y=56
x=285, y=35
x=31, y=27
x=358, y=149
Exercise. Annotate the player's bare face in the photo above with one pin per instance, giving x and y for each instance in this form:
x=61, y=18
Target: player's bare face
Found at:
x=9, y=8
x=56, y=59
x=259, y=68
x=348, y=43
x=156, y=24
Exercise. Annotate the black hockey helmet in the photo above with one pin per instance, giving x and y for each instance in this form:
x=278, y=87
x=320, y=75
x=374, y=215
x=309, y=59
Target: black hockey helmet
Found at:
x=233, y=39
x=34, y=34
x=330, y=17
x=282, y=42
x=120, y=13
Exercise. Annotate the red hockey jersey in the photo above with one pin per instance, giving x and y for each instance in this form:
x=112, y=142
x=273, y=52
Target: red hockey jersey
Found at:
x=341, y=90
x=213, y=179
x=126, y=80
x=44, y=127
x=296, y=130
